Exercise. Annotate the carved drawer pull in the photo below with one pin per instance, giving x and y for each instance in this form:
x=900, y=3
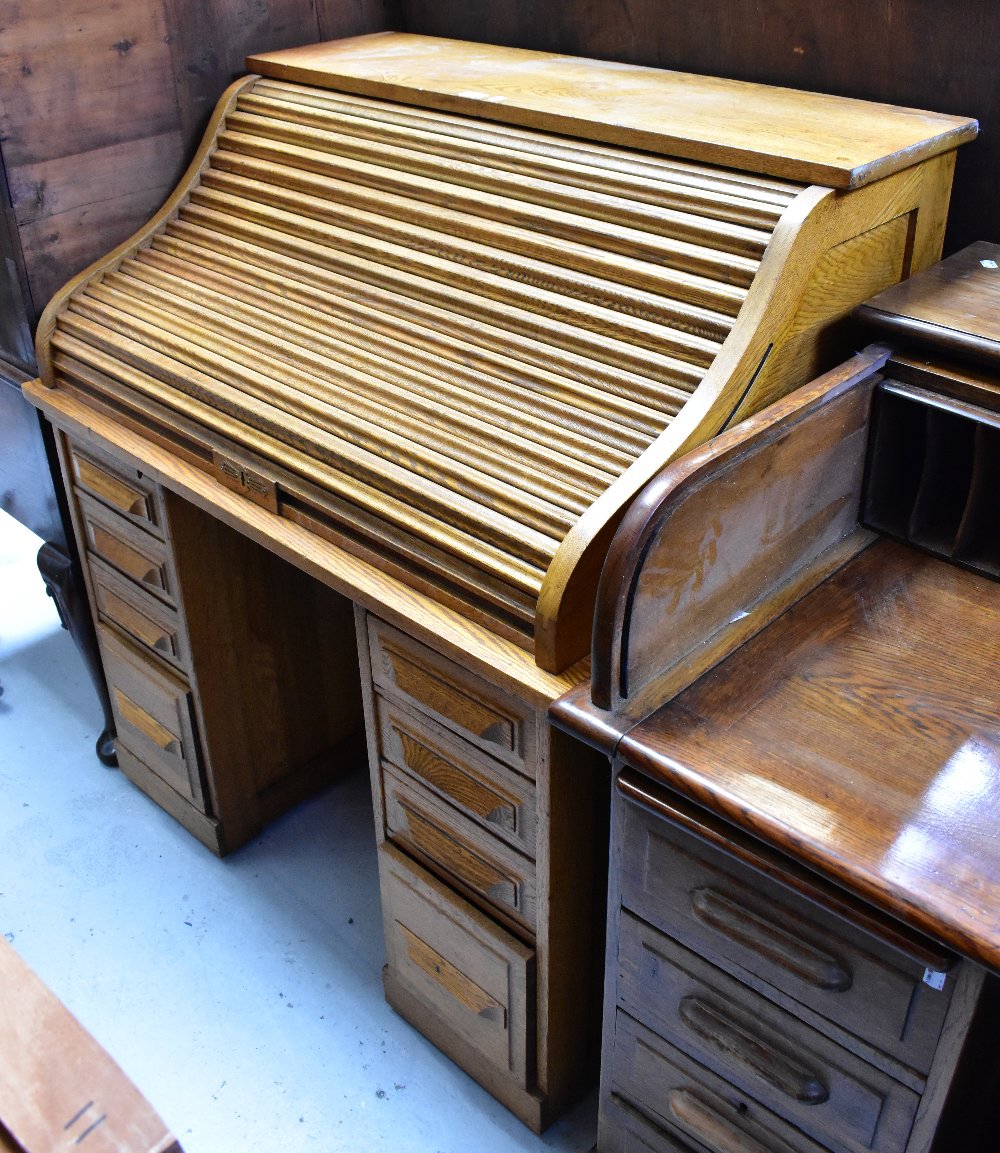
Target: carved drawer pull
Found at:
x=140, y=626
x=453, y=981
x=702, y=1122
x=129, y=560
x=447, y=700
x=150, y=728
x=465, y=790
x=111, y=490
x=481, y=875
x=748, y=928
x=736, y=1043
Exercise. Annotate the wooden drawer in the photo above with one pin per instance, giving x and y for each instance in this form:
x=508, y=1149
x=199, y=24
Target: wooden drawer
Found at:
x=733, y=914
x=485, y=869
x=692, y=1107
x=833, y=1095
x=147, y=620
x=483, y=789
x=153, y=716
x=121, y=488
x=476, y=979
x=464, y=703
x=136, y=554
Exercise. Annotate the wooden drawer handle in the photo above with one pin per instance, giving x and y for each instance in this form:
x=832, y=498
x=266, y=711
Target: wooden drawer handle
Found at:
x=137, y=624
x=129, y=560
x=447, y=700
x=463, y=789
x=768, y=940
x=150, y=728
x=453, y=981
x=702, y=1122
x=481, y=875
x=111, y=490
x=735, y=1042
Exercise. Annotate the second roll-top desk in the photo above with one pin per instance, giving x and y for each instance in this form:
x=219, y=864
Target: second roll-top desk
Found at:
x=422, y=319
x=803, y=941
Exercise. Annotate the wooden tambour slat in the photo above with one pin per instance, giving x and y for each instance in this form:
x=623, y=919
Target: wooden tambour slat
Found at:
x=401, y=389
x=457, y=345
x=434, y=259
x=576, y=163
x=466, y=332
x=562, y=410
x=673, y=237
x=104, y=376
x=555, y=477
x=556, y=362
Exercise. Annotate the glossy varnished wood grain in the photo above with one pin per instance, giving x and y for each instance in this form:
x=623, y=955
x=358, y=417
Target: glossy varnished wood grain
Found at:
x=729, y=536
x=953, y=306
x=860, y=734
x=830, y=141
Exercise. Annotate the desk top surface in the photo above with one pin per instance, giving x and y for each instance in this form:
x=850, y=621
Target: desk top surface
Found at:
x=954, y=305
x=861, y=733
x=812, y=137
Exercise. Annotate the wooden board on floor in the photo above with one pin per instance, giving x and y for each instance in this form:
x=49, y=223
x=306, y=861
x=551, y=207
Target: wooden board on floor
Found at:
x=60, y=1090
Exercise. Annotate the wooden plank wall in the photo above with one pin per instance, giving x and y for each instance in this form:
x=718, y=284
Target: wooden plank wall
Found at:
x=921, y=53
x=102, y=103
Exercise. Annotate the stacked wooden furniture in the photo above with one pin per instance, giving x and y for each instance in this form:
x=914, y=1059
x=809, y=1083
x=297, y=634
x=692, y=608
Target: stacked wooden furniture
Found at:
x=802, y=914
x=422, y=319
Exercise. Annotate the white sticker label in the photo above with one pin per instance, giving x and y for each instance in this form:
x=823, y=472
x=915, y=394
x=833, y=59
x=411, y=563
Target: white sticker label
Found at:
x=934, y=978
x=989, y=264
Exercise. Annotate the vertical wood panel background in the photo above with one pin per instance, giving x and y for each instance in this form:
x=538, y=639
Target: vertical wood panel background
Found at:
x=102, y=103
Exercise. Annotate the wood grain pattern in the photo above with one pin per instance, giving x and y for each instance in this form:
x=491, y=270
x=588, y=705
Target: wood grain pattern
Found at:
x=476, y=784
x=921, y=55
x=475, y=646
x=832, y=1095
x=717, y=121
x=790, y=494
x=892, y=660
x=648, y=300
x=807, y=945
x=123, y=91
x=951, y=306
x=687, y=1100
x=58, y=1085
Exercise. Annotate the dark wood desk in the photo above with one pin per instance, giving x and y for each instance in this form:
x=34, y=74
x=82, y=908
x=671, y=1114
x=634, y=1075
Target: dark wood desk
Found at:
x=804, y=717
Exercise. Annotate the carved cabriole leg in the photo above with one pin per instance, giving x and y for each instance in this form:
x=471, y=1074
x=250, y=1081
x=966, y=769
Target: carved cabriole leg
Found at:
x=64, y=584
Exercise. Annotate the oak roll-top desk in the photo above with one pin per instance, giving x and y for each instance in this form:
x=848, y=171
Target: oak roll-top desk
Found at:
x=796, y=668
x=421, y=319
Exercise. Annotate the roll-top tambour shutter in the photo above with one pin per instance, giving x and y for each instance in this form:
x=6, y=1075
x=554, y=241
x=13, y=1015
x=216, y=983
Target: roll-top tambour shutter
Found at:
x=470, y=329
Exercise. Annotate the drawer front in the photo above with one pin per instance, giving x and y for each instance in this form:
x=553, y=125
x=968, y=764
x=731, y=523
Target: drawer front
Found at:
x=691, y=1106
x=830, y=1093
x=484, y=868
x=464, y=703
x=153, y=716
x=117, y=486
x=486, y=791
x=134, y=553
x=476, y=978
x=150, y=622
x=731, y=913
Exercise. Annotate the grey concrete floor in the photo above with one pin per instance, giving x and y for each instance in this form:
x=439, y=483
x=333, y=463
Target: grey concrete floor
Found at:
x=243, y=996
